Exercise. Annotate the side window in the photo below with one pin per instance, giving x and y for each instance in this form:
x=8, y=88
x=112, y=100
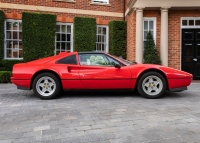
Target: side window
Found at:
x=68, y=60
x=94, y=59
x=114, y=62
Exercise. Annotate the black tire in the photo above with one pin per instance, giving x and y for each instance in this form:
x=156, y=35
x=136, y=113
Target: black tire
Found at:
x=151, y=85
x=49, y=82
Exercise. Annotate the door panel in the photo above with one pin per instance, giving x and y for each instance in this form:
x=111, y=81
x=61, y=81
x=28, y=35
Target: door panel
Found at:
x=191, y=51
x=103, y=77
x=188, y=35
x=197, y=61
x=70, y=76
x=197, y=35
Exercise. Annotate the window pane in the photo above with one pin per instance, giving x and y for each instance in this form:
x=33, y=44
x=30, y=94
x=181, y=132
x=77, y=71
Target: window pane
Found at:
x=20, y=26
x=100, y=1
x=20, y=54
x=58, y=46
x=63, y=37
x=58, y=37
x=63, y=28
x=57, y=28
x=184, y=22
x=68, y=37
x=99, y=30
x=150, y=24
x=20, y=45
x=69, y=29
x=8, y=35
x=191, y=22
x=68, y=60
x=93, y=59
x=197, y=22
x=104, y=31
x=15, y=35
x=9, y=54
x=98, y=38
x=15, y=26
x=145, y=25
x=103, y=47
x=103, y=39
x=68, y=46
x=98, y=47
x=20, y=35
x=8, y=25
x=62, y=46
x=145, y=34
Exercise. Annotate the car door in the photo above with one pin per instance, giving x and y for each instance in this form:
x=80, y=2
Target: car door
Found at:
x=97, y=72
x=68, y=68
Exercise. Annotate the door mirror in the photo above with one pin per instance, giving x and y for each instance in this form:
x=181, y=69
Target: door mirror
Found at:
x=117, y=66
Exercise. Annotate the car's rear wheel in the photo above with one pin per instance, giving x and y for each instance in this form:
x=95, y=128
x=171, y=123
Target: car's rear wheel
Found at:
x=151, y=85
x=46, y=86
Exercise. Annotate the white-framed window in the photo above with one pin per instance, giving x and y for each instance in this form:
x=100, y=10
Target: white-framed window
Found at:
x=102, y=38
x=190, y=22
x=64, y=37
x=149, y=24
x=13, y=39
x=100, y=1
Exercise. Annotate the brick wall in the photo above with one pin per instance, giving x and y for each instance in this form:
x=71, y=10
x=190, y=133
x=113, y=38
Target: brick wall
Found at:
x=174, y=33
x=131, y=36
x=114, y=5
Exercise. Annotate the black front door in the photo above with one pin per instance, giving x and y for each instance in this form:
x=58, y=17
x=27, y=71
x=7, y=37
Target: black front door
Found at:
x=191, y=52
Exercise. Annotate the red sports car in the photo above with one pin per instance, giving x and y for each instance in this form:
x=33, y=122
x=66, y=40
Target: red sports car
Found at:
x=96, y=70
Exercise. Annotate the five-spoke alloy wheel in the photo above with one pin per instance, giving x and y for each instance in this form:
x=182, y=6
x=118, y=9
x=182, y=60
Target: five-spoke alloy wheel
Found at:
x=151, y=85
x=46, y=86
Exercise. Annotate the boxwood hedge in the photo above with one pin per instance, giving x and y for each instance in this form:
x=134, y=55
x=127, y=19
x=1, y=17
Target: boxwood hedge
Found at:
x=5, y=76
x=117, y=34
x=38, y=35
x=84, y=34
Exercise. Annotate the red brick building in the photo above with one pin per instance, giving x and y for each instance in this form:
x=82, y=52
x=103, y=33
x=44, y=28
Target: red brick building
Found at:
x=175, y=25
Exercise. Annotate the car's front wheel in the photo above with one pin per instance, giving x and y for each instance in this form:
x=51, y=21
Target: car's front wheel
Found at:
x=46, y=86
x=151, y=85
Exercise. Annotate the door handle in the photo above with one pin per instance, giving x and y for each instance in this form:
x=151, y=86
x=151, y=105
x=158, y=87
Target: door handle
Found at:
x=195, y=59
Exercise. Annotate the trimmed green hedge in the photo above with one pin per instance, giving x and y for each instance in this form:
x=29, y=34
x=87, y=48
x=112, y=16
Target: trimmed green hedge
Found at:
x=118, y=35
x=7, y=65
x=150, y=51
x=84, y=34
x=5, y=76
x=1, y=33
x=38, y=35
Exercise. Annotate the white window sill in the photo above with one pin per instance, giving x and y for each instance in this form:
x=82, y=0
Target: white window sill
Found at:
x=13, y=59
x=103, y=4
x=70, y=1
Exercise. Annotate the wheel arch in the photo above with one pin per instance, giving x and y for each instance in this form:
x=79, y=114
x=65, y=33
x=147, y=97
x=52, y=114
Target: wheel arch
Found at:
x=43, y=71
x=152, y=70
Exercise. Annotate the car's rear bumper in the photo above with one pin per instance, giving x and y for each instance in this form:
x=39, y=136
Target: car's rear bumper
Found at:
x=22, y=83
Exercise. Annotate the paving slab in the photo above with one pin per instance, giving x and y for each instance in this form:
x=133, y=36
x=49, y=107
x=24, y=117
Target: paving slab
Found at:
x=99, y=117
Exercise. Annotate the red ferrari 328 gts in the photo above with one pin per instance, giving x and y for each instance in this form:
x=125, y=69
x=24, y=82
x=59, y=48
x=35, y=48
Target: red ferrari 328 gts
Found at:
x=96, y=70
